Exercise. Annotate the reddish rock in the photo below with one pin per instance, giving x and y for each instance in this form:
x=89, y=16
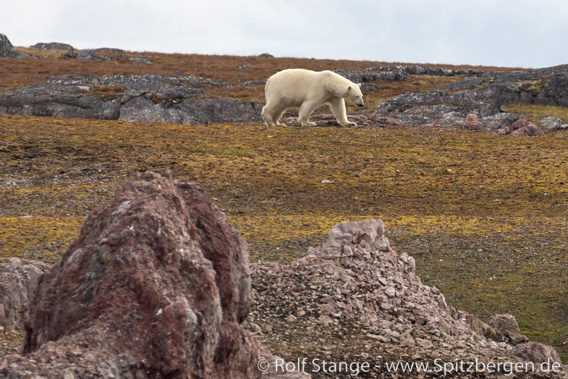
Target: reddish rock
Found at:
x=471, y=122
x=508, y=329
x=536, y=352
x=360, y=119
x=156, y=285
x=522, y=128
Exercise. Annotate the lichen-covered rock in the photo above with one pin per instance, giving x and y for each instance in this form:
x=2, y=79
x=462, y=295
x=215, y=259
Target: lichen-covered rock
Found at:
x=52, y=46
x=157, y=285
x=7, y=49
x=552, y=123
x=137, y=98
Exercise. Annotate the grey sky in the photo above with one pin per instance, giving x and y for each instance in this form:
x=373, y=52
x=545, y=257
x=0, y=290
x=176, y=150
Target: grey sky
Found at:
x=512, y=33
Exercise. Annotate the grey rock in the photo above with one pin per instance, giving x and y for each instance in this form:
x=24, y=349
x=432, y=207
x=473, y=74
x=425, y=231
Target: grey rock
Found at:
x=481, y=93
x=52, y=46
x=551, y=123
x=102, y=54
x=390, y=292
x=141, y=98
x=399, y=73
x=7, y=49
x=190, y=111
x=18, y=279
x=88, y=55
x=555, y=92
x=499, y=120
x=426, y=108
x=141, y=60
x=57, y=101
x=536, y=352
x=506, y=325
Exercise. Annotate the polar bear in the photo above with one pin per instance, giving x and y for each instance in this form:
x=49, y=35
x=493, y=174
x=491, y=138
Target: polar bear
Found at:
x=306, y=89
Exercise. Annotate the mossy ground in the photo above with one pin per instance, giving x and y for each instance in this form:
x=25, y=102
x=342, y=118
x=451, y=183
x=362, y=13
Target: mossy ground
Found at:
x=485, y=216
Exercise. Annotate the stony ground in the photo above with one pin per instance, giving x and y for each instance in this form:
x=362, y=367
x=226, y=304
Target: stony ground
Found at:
x=353, y=299
x=483, y=215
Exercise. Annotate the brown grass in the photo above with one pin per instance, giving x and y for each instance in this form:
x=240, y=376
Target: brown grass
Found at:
x=484, y=215
x=24, y=71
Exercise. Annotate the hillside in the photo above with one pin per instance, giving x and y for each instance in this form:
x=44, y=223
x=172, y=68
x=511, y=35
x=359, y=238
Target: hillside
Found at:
x=483, y=215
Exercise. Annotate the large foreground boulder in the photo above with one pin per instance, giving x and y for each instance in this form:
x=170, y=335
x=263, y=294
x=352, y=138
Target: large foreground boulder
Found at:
x=156, y=285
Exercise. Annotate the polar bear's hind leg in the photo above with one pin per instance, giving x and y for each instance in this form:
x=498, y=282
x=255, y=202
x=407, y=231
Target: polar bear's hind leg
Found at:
x=272, y=113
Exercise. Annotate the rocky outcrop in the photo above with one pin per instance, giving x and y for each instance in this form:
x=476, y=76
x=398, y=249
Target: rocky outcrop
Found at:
x=69, y=50
x=18, y=279
x=400, y=73
x=7, y=49
x=52, y=46
x=185, y=100
x=146, y=98
x=444, y=109
x=189, y=111
x=157, y=285
x=358, y=286
x=88, y=55
x=480, y=93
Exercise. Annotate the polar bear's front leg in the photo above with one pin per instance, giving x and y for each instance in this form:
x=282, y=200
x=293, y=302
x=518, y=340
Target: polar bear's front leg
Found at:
x=306, y=110
x=338, y=110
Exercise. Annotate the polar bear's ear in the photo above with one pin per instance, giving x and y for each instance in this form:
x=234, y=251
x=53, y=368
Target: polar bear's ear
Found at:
x=359, y=84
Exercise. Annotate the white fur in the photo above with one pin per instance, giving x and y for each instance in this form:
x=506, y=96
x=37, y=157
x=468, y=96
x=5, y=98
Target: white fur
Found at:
x=307, y=90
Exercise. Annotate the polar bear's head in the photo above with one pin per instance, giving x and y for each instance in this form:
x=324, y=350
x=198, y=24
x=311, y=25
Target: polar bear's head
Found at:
x=355, y=95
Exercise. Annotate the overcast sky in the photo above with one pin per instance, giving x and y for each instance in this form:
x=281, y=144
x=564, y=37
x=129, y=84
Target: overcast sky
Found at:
x=510, y=33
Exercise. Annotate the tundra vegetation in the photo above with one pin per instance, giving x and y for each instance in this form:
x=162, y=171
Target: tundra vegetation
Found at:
x=485, y=216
